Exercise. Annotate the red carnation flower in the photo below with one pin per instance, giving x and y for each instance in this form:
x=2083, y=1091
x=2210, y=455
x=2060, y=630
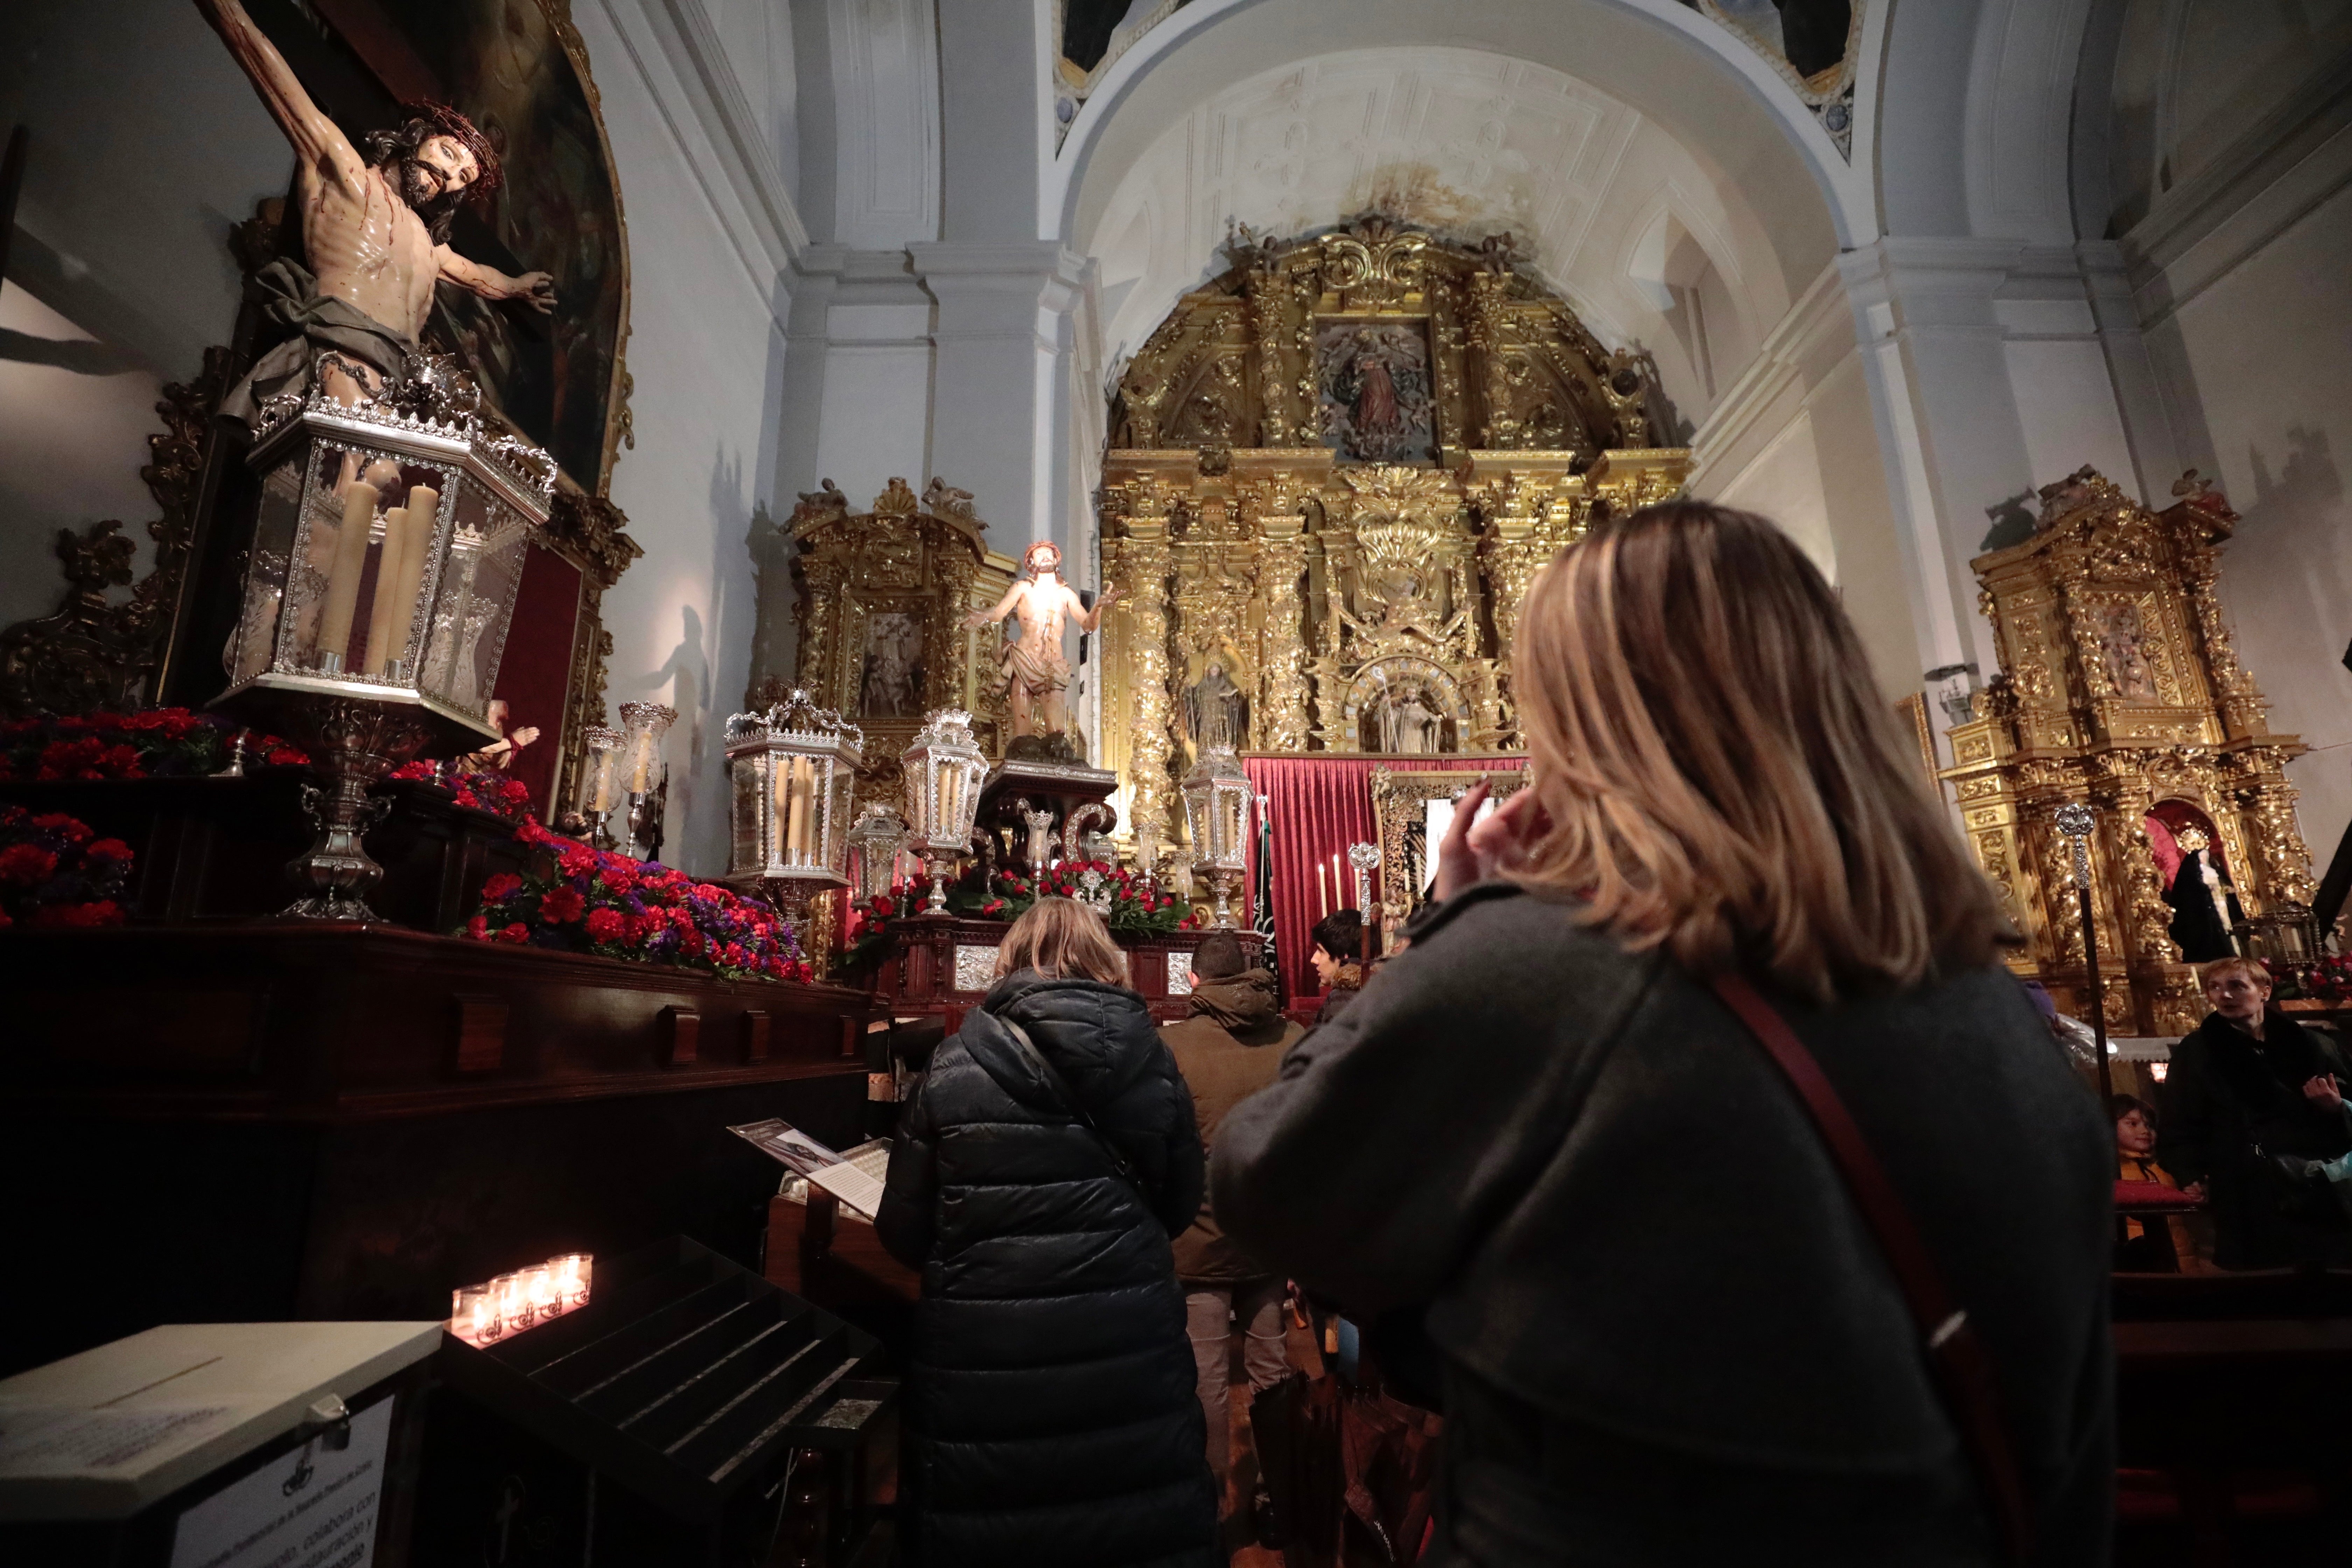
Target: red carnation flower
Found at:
x=561, y=906
x=76, y=831
x=505, y=885
x=515, y=932
x=104, y=912
x=108, y=849
x=478, y=928
x=605, y=925
x=27, y=864
x=883, y=905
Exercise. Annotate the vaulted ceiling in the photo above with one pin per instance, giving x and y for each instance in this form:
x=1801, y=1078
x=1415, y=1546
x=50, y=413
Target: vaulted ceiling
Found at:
x=1652, y=244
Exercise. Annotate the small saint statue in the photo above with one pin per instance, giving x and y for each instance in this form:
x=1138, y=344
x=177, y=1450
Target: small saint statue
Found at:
x=1035, y=672
x=375, y=232
x=1216, y=714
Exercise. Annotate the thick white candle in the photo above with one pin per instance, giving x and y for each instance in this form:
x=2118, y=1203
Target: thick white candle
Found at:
x=1322, y=896
x=417, y=547
x=388, y=571
x=344, y=571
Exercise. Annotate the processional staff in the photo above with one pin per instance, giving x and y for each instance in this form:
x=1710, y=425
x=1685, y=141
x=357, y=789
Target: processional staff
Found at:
x=2075, y=820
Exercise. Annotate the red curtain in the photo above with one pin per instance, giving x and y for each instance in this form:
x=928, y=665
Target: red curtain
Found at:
x=535, y=670
x=1317, y=806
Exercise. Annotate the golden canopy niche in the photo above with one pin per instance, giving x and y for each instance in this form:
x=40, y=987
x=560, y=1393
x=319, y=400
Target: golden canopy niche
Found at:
x=882, y=595
x=1335, y=471
x=2119, y=688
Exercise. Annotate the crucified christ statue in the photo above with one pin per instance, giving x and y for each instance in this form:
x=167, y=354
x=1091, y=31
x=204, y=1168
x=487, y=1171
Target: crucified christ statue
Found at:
x=1034, y=666
x=375, y=230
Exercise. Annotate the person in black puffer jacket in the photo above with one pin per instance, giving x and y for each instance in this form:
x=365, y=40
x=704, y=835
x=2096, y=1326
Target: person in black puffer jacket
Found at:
x=1050, y=1406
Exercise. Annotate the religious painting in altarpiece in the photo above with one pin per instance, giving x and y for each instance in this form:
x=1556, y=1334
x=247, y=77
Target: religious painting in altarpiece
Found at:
x=882, y=597
x=2119, y=688
x=1335, y=470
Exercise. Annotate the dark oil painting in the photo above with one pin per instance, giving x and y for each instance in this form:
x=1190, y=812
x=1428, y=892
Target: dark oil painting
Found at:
x=1373, y=378
x=503, y=63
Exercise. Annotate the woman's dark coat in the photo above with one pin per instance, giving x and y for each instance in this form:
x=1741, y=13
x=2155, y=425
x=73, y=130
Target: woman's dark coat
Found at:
x=1670, y=1336
x=2227, y=1102
x=1050, y=1404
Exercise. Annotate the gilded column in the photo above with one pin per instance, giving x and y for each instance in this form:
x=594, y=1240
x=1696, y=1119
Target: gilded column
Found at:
x=1282, y=576
x=2266, y=807
x=1267, y=289
x=1489, y=290
x=1143, y=556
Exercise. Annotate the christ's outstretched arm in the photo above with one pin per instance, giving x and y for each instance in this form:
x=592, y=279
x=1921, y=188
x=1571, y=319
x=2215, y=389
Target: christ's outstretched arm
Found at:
x=1089, y=619
x=538, y=289
x=315, y=140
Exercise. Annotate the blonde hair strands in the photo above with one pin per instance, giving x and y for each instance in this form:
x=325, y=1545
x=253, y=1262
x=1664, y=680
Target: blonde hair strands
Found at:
x=1720, y=772
x=1061, y=939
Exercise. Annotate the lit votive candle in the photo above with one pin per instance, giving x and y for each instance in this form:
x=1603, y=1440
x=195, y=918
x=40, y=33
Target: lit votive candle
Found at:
x=513, y=1300
x=474, y=1314
x=540, y=1284
x=571, y=1270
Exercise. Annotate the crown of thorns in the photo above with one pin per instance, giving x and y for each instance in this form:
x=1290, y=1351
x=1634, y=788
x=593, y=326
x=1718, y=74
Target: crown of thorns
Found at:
x=489, y=170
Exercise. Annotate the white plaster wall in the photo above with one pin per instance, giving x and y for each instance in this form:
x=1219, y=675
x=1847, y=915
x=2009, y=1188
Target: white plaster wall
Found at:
x=707, y=349
x=875, y=423
x=2257, y=375
x=145, y=145
x=74, y=415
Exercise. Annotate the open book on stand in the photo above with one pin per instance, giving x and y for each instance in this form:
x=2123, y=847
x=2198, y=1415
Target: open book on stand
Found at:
x=855, y=1178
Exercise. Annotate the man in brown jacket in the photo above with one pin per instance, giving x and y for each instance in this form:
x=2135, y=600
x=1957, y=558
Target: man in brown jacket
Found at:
x=1230, y=1048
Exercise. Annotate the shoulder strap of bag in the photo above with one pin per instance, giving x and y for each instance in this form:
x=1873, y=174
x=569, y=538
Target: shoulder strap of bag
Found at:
x=1962, y=1364
x=1075, y=1107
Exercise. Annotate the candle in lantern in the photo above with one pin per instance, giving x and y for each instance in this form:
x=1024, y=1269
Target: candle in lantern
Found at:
x=641, y=765
x=387, y=568
x=781, y=791
x=803, y=799
x=420, y=518
x=344, y=572
x=791, y=773
x=1322, y=893
x=513, y=1300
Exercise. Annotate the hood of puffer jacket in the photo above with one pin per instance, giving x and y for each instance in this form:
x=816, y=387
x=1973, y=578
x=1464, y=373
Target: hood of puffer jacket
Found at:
x=1099, y=1037
x=1234, y=1002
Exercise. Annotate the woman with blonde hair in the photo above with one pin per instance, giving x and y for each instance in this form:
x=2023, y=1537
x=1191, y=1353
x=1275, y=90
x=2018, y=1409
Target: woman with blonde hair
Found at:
x=1036, y=1181
x=1752, y=1212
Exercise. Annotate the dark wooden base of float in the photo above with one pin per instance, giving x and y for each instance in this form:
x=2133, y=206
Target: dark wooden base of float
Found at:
x=217, y=849
x=239, y=1122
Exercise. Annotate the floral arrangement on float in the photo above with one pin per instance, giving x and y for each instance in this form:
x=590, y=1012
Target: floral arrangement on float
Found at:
x=1126, y=900
x=157, y=742
x=576, y=899
x=55, y=871
x=2328, y=978
x=500, y=796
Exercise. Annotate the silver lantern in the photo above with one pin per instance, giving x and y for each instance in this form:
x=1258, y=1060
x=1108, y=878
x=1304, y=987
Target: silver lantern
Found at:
x=944, y=767
x=875, y=842
x=1217, y=799
x=793, y=770
x=387, y=551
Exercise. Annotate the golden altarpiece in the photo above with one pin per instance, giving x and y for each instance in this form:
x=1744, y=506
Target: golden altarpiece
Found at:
x=1335, y=470
x=2119, y=688
x=882, y=597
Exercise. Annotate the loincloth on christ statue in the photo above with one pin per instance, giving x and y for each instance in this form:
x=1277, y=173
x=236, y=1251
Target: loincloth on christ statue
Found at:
x=318, y=325
x=1036, y=672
